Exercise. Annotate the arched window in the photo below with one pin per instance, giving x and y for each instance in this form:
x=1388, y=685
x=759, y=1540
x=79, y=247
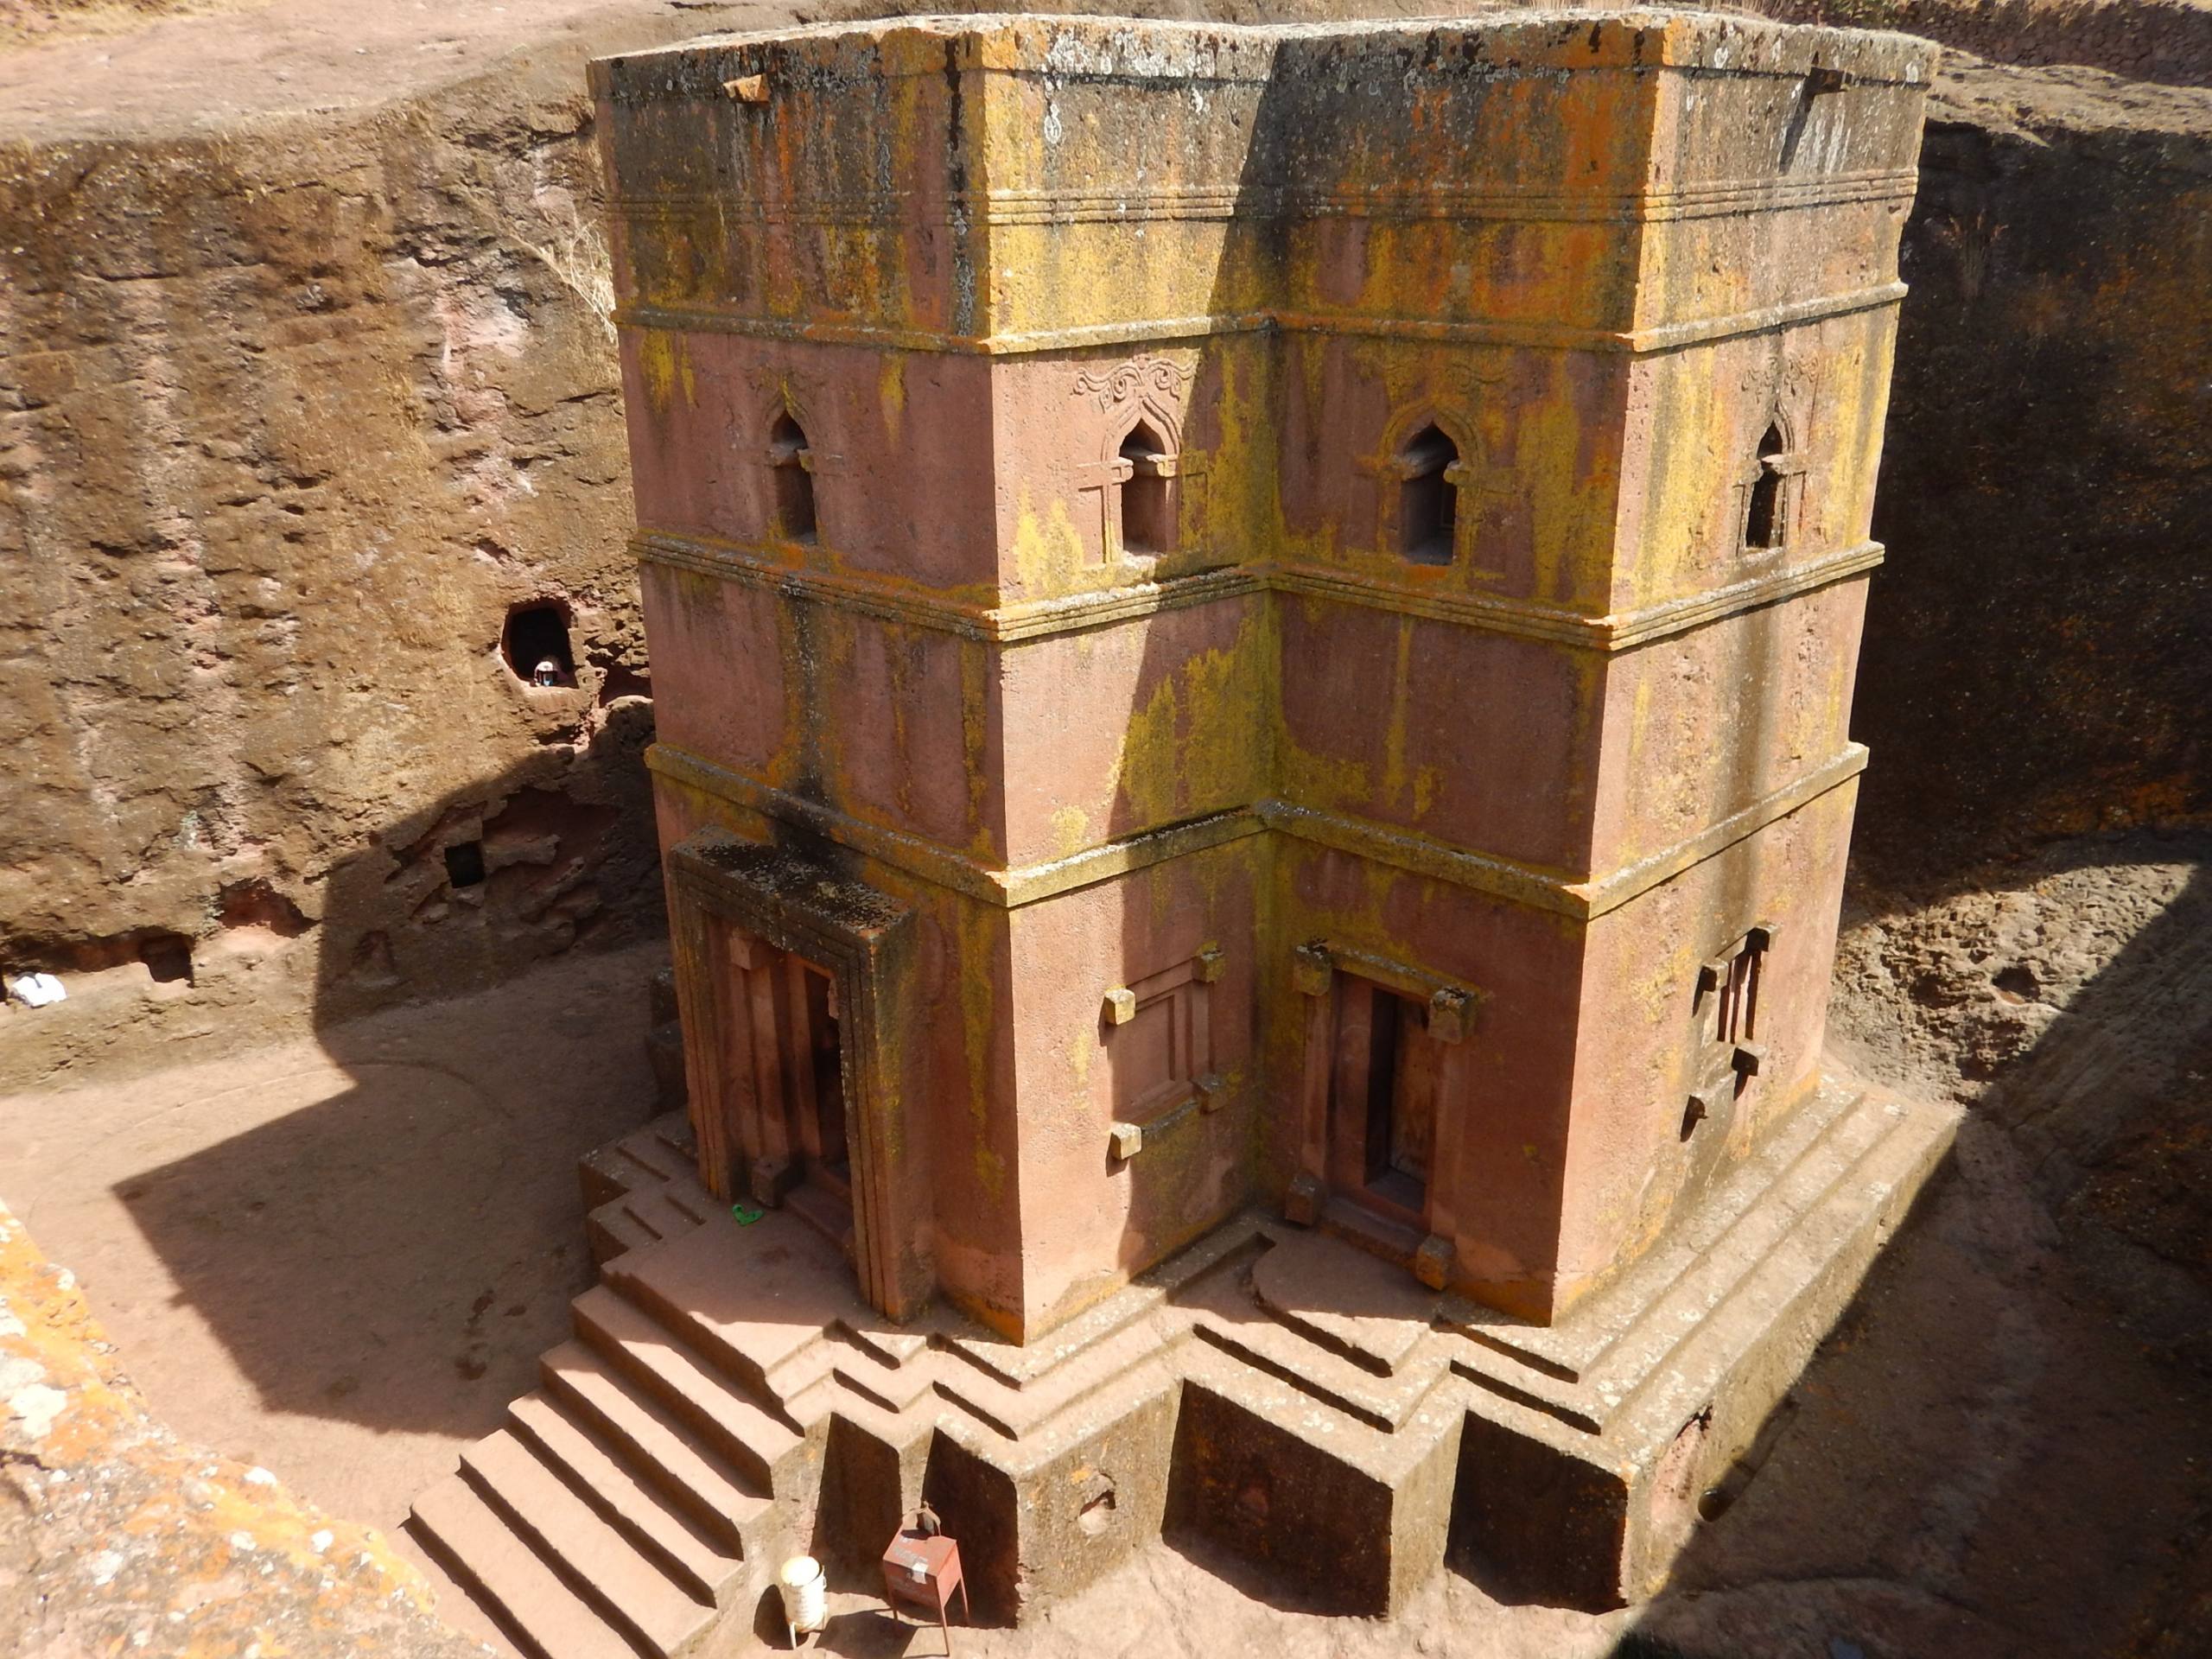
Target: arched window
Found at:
x=793, y=465
x=1146, y=525
x=1763, y=525
x=1428, y=499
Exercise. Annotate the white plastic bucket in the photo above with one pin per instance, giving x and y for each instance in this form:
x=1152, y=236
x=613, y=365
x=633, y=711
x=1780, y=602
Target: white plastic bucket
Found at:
x=805, y=1592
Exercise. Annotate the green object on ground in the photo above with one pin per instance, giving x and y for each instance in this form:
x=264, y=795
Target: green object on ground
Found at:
x=746, y=1214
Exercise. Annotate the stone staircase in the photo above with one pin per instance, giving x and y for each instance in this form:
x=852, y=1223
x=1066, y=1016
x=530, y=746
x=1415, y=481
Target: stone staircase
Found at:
x=1777, y=1221
x=674, y=1452
x=618, y=1510
x=643, y=1188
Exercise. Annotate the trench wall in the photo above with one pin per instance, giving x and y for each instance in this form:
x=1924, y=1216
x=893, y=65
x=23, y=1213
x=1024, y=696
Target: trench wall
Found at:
x=296, y=411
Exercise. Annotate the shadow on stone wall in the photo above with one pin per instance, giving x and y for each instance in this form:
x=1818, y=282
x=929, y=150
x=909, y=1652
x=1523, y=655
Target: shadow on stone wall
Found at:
x=2035, y=661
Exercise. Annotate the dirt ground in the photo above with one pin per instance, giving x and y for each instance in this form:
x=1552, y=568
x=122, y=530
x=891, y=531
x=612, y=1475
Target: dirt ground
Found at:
x=341, y=1259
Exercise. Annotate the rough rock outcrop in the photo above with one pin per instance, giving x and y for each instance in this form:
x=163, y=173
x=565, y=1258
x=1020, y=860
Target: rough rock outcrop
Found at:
x=115, y=1536
x=310, y=452
x=2036, y=660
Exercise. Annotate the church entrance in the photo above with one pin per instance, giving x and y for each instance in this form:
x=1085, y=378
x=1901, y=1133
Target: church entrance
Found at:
x=1383, y=1101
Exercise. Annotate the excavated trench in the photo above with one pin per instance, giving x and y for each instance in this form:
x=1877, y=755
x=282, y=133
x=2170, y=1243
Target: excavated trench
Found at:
x=311, y=451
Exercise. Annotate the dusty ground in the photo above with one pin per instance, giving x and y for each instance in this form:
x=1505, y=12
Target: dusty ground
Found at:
x=341, y=1258
x=2007, y=1449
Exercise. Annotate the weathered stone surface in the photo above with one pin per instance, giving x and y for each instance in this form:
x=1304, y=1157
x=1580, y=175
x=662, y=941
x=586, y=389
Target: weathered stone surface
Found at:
x=1232, y=1396
x=1530, y=780
x=2168, y=40
x=296, y=404
x=115, y=1536
x=2096, y=556
x=2036, y=647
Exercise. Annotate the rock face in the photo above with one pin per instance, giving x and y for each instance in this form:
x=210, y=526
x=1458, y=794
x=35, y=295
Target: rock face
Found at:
x=2036, y=659
x=2166, y=40
x=310, y=452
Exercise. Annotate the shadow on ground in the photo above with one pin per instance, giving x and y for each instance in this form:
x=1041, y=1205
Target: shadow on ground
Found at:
x=397, y=1230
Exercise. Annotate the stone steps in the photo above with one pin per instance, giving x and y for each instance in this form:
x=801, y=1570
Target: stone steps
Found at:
x=627, y=1590
x=609, y=1516
x=646, y=1215
x=1571, y=1347
x=1012, y=1412
x=649, y=1521
x=1017, y=1365
x=612, y=1231
x=1232, y=1318
x=689, y=1474
x=1634, y=1358
x=1339, y=1434
x=1619, y=1350
x=895, y=1388
x=662, y=1151
x=745, y=1433
x=748, y=1309
x=1832, y=1244
x=638, y=1496
x=531, y=1602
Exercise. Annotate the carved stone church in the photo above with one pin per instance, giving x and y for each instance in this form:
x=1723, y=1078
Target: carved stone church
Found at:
x=1253, y=633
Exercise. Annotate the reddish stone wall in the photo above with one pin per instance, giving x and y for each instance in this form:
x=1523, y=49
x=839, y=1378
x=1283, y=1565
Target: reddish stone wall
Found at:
x=1069, y=730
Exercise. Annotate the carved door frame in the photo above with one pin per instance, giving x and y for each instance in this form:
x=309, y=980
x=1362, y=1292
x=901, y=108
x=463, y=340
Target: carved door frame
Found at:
x=1448, y=1012
x=723, y=894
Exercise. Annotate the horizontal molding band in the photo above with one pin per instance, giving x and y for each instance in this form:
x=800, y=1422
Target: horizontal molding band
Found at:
x=997, y=625
x=1541, y=889
x=1655, y=869
x=1527, y=885
x=926, y=859
x=1530, y=335
x=1615, y=631
x=1074, y=614
x=961, y=213
x=939, y=865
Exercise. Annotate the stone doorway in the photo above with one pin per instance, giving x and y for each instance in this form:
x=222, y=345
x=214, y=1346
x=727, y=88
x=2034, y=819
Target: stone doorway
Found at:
x=784, y=1084
x=1383, y=1104
x=788, y=978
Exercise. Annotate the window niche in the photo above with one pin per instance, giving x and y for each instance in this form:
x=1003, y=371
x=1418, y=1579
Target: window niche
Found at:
x=535, y=643
x=1428, y=497
x=1770, y=498
x=790, y=463
x=1726, y=1008
x=1147, y=513
x=1158, y=1039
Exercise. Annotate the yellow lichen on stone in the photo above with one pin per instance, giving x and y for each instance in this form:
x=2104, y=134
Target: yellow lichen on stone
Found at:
x=146, y=1544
